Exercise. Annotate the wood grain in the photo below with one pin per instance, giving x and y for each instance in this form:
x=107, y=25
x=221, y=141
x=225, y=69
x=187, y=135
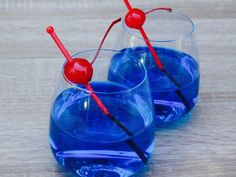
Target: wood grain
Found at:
x=201, y=144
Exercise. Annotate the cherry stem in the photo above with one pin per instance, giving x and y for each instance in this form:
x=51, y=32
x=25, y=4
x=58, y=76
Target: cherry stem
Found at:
x=129, y=7
x=159, y=8
x=51, y=31
x=104, y=37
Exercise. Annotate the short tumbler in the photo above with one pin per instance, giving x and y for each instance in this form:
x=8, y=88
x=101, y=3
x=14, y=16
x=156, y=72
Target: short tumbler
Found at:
x=172, y=36
x=84, y=140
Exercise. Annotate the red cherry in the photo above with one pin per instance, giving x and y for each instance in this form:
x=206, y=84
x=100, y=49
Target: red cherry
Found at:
x=135, y=18
x=78, y=71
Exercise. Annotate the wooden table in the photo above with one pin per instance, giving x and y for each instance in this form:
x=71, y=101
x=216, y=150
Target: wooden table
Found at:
x=203, y=145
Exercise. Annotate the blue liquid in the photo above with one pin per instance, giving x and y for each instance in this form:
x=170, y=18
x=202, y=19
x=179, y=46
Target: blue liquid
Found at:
x=86, y=142
x=185, y=70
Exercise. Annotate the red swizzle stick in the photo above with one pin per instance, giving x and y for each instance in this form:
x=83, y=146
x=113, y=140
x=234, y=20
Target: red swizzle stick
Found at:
x=135, y=18
x=77, y=70
x=54, y=36
x=80, y=71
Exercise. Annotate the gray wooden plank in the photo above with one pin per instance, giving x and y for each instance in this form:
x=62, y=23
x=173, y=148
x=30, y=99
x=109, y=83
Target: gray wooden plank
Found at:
x=24, y=38
x=199, y=9
x=217, y=75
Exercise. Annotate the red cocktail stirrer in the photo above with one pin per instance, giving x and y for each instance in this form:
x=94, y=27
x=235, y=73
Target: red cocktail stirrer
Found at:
x=135, y=19
x=80, y=71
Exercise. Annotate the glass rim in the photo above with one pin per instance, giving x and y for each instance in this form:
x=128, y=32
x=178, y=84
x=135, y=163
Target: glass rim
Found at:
x=111, y=92
x=126, y=28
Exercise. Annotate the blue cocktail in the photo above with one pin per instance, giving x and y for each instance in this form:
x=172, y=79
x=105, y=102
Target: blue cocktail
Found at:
x=84, y=140
x=168, y=105
x=166, y=45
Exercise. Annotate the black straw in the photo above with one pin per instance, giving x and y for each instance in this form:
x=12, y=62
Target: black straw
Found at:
x=178, y=92
x=130, y=142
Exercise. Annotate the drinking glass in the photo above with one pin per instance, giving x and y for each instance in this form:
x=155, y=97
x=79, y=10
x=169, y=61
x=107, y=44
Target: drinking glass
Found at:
x=87, y=142
x=172, y=35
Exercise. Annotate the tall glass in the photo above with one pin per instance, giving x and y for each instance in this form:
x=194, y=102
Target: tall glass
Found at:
x=173, y=38
x=87, y=142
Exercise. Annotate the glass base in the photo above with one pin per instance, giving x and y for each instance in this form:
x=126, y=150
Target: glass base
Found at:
x=91, y=163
